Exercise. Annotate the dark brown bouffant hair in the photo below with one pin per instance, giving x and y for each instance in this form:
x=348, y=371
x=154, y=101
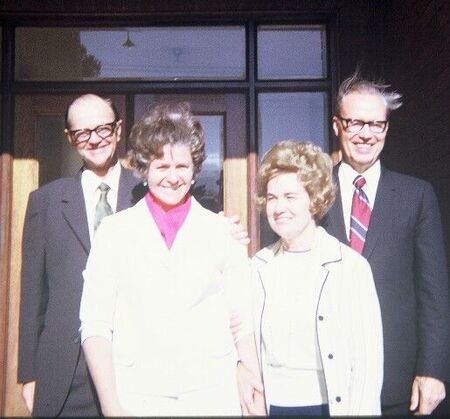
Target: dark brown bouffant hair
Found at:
x=162, y=125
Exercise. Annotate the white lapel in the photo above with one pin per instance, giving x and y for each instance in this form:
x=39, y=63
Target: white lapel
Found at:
x=192, y=227
x=151, y=242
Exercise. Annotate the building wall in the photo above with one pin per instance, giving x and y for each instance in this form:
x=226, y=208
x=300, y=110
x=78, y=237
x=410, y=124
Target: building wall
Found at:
x=404, y=41
x=417, y=63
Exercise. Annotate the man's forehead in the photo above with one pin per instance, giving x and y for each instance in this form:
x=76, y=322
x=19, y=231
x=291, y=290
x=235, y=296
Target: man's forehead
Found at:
x=88, y=112
x=364, y=102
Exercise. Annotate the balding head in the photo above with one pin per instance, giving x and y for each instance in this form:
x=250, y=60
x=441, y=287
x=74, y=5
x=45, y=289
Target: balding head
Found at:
x=87, y=104
x=97, y=118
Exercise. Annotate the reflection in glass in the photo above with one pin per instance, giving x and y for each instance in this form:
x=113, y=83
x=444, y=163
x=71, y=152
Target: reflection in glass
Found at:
x=290, y=116
x=297, y=116
x=291, y=52
x=160, y=53
x=208, y=183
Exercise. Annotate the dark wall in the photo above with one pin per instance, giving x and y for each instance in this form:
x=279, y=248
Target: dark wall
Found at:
x=212, y=7
x=417, y=63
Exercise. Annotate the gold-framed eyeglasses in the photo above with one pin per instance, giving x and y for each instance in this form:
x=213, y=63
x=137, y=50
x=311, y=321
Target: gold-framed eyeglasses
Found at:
x=104, y=131
x=355, y=125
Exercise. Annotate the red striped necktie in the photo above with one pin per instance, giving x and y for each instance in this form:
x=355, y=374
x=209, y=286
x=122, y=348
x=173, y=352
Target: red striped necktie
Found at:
x=360, y=217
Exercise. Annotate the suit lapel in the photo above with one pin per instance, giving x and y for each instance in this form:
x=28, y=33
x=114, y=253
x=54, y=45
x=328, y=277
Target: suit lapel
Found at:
x=382, y=210
x=74, y=210
x=334, y=220
x=337, y=219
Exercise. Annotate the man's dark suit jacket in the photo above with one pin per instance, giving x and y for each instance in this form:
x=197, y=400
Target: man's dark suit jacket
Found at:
x=405, y=249
x=55, y=249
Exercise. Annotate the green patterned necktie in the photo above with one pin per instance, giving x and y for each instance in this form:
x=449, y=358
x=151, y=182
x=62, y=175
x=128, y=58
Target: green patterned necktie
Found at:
x=102, y=208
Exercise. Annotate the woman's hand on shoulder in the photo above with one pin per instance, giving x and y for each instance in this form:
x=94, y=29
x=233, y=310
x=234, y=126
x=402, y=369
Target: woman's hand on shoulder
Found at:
x=237, y=230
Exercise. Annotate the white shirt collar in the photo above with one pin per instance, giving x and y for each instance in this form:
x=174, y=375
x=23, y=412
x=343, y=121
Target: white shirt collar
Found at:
x=90, y=181
x=372, y=175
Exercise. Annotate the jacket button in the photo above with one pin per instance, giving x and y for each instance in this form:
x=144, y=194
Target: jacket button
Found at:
x=338, y=399
x=76, y=338
x=320, y=318
x=330, y=356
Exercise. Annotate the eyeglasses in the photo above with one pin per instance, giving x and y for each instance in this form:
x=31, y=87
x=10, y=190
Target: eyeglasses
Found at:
x=80, y=136
x=356, y=125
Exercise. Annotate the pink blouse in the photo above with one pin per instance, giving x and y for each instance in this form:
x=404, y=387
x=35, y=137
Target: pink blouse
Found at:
x=168, y=222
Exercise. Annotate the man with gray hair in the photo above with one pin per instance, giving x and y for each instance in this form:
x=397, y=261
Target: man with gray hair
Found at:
x=394, y=221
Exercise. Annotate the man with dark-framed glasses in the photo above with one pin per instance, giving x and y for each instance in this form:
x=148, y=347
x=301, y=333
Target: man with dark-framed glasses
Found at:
x=394, y=221
x=60, y=224
x=82, y=136
x=356, y=125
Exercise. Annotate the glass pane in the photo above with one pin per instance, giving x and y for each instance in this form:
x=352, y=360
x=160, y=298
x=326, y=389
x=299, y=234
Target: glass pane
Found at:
x=171, y=53
x=208, y=186
x=291, y=52
x=290, y=116
x=297, y=116
x=208, y=183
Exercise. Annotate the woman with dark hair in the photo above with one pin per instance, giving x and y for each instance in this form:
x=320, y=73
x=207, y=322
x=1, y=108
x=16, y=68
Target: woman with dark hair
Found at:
x=161, y=282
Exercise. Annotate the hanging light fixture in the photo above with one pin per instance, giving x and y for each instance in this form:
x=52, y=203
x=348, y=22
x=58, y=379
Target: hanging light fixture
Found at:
x=128, y=43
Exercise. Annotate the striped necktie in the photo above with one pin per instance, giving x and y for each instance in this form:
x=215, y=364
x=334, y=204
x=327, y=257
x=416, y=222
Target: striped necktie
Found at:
x=102, y=208
x=360, y=217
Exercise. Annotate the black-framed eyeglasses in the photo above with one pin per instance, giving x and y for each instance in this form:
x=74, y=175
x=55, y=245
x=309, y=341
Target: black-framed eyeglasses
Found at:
x=104, y=131
x=356, y=125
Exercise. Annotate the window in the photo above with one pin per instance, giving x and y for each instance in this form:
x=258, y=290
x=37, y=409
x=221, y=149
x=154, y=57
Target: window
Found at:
x=162, y=53
x=299, y=116
x=291, y=52
x=251, y=83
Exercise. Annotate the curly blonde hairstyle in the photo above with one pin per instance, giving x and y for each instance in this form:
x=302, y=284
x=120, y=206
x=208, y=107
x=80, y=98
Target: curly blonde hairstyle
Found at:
x=313, y=168
x=162, y=125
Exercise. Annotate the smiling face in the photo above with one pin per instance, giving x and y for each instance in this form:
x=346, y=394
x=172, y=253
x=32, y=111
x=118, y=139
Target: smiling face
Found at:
x=170, y=176
x=288, y=210
x=89, y=112
x=361, y=149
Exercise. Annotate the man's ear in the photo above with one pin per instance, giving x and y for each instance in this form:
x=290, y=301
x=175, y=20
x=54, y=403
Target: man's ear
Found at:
x=69, y=138
x=119, y=130
x=335, y=126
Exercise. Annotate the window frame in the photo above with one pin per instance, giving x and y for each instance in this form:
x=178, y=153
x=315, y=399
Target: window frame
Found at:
x=250, y=86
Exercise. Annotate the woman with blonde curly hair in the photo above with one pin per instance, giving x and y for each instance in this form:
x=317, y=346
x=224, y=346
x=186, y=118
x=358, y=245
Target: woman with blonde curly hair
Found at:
x=317, y=319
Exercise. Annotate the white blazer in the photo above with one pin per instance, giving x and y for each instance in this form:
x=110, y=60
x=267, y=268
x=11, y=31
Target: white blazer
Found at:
x=348, y=325
x=166, y=311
